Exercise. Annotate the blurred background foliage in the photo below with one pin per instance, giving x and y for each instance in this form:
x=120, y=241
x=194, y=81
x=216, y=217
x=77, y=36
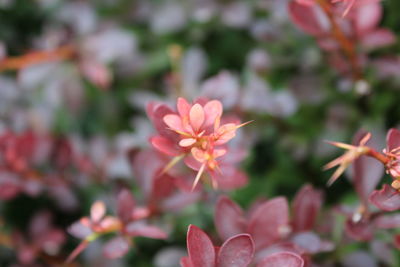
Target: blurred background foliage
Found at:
x=289, y=150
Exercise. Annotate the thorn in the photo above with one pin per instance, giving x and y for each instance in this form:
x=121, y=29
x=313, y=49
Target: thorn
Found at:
x=197, y=179
x=171, y=164
x=339, y=144
x=243, y=124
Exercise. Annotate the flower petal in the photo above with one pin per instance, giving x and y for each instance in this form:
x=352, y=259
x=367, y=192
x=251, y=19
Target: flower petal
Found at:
x=174, y=122
x=183, y=107
x=198, y=154
x=196, y=116
x=97, y=211
x=213, y=111
x=187, y=142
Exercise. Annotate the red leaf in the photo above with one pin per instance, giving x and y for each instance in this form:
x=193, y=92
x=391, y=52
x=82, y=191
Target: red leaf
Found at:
x=396, y=241
x=185, y=262
x=282, y=259
x=156, y=113
x=386, y=199
x=388, y=221
x=238, y=251
x=116, y=247
x=269, y=222
x=228, y=218
x=362, y=231
x=200, y=248
x=392, y=139
x=308, y=18
x=306, y=206
x=367, y=17
x=142, y=229
x=165, y=146
x=230, y=178
x=125, y=205
x=378, y=38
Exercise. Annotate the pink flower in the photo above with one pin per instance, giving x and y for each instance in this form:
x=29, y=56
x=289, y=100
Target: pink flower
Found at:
x=194, y=121
x=195, y=130
x=96, y=223
x=128, y=224
x=392, y=151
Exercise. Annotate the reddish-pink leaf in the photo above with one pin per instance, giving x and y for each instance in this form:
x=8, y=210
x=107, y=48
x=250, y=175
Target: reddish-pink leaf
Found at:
x=230, y=178
x=388, y=221
x=269, y=222
x=396, y=241
x=156, y=113
x=237, y=251
x=378, y=38
x=367, y=17
x=165, y=145
x=185, y=262
x=386, y=199
x=116, y=247
x=306, y=206
x=142, y=229
x=362, y=231
x=308, y=18
x=228, y=218
x=392, y=139
x=125, y=205
x=282, y=259
x=200, y=248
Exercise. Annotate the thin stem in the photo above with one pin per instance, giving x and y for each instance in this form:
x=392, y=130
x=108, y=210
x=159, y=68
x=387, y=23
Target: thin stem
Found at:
x=16, y=63
x=345, y=43
x=379, y=156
